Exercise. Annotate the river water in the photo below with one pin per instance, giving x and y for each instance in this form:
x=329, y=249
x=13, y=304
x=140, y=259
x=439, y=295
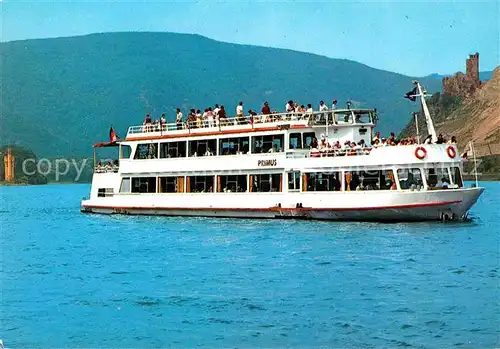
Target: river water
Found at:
x=75, y=280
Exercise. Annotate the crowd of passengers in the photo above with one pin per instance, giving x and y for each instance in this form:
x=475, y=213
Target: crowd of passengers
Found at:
x=377, y=141
x=217, y=115
x=109, y=167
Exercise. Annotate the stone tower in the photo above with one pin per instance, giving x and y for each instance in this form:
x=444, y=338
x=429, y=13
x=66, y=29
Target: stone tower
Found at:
x=472, y=67
x=464, y=85
x=8, y=160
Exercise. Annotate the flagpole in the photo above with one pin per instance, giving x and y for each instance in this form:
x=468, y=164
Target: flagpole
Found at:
x=416, y=125
x=475, y=162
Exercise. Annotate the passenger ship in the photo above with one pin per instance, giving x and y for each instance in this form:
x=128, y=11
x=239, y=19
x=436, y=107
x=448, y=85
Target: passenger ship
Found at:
x=268, y=167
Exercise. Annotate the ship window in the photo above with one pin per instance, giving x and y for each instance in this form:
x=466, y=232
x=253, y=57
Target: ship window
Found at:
x=200, y=184
x=173, y=149
x=125, y=151
x=370, y=180
x=294, y=180
x=144, y=185
x=232, y=183
x=146, y=151
x=125, y=185
x=308, y=138
x=268, y=144
x=266, y=182
x=362, y=117
x=295, y=141
x=343, y=117
x=410, y=179
x=234, y=146
x=203, y=147
x=437, y=178
x=324, y=181
x=457, y=177
x=103, y=192
x=169, y=184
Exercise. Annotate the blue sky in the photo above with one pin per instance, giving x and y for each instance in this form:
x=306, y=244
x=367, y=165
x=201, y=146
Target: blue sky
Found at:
x=414, y=38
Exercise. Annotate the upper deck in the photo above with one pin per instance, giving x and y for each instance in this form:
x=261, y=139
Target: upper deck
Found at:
x=247, y=124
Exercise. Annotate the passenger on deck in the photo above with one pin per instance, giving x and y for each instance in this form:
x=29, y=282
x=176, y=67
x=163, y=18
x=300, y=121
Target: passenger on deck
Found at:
x=216, y=112
x=376, y=137
x=309, y=109
x=178, y=119
x=222, y=116
x=209, y=121
x=453, y=140
x=392, y=138
x=163, y=120
x=240, y=116
x=322, y=106
x=323, y=143
x=376, y=143
x=314, y=143
x=265, y=109
x=289, y=107
x=199, y=118
x=334, y=104
x=191, y=119
x=441, y=139
x=253, y=115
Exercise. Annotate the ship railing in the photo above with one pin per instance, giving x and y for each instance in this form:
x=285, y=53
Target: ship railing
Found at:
x=106, y=169
x=339, y=152
x=332, y=117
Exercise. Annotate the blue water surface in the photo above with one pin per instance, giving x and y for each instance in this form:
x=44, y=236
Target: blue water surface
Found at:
x=74, y=280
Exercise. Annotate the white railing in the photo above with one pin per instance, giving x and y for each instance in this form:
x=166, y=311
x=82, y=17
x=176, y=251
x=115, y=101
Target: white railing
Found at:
x=106, y=169
x=339, y=152
x=331, y=117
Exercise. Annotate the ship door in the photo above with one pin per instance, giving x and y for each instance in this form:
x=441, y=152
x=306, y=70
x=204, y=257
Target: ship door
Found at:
x=293, y=181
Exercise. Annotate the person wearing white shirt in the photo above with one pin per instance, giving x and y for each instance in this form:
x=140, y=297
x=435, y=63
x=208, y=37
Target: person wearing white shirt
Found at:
x=239, y=109
x=322, y=106
x=240, y=116
x=309, y=109
x=178, y=119
x=216, y=114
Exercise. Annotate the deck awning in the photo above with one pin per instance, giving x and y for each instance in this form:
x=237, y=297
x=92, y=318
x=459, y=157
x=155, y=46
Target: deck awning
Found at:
x=105, y=144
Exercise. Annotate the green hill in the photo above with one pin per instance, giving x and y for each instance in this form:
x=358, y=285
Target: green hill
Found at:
x=60, y=95
x=24, y=174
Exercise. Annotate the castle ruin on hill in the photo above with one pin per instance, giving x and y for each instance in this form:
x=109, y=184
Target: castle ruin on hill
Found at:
x=464, y=85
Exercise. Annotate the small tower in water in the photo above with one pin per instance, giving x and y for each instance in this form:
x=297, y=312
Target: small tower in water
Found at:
x=8, y=160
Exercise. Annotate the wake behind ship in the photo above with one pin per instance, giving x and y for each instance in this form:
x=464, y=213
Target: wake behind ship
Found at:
x=299, y=164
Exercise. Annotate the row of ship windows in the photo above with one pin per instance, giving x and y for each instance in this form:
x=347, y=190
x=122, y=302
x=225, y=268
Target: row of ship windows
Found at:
x=223, y=146
x=409, y=179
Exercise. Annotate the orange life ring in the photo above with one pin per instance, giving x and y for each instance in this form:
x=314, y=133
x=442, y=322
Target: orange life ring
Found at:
x=420, y=153
x=451, y=152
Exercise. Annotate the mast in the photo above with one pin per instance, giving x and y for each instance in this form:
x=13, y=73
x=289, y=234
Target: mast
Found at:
x=428, y=120
x=416, y=125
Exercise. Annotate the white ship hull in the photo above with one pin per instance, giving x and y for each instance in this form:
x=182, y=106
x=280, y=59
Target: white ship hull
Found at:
x=450, y=204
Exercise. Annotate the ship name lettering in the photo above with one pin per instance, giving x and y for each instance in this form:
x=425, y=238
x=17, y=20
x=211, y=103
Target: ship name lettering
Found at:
x=272, y=162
